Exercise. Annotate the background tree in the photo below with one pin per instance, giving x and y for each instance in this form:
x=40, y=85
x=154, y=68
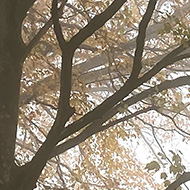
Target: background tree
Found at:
x=111, y=71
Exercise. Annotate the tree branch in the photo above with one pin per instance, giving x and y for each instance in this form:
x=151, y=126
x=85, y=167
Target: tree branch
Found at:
x=64, y=109
x=42, y=31
x=96, y=23
x=124, y=91
x=137, y=65
x=179, y=181
x=25, y=6
x=91, y=129
x=169, y=59
x=57, y=27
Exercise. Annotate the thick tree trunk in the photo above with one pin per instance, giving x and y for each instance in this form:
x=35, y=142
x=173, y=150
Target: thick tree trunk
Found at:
x=11, y=48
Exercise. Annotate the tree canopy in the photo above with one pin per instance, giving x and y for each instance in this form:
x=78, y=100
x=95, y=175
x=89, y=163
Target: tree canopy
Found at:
x=94, y=94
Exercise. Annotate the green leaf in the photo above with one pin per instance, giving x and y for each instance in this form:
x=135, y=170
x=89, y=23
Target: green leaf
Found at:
x=153, y=166
x=121, y=110
x=179, y=188
x=172, y=152
x=173, y=169
x=163, y=156
x=177, y=159
x=163, y=175
x=166, y=183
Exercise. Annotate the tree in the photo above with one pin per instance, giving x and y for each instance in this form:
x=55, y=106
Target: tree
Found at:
x=140, y=65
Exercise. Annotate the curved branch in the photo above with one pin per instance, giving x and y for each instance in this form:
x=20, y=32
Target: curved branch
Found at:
x=179, y=181
x=57, y=27
x=42, y=31
x=124, y=91
x=96, y=23
x=94, y=128
x=64, y=109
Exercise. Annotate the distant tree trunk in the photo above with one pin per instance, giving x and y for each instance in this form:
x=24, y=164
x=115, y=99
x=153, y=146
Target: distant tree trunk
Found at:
x=11, y=49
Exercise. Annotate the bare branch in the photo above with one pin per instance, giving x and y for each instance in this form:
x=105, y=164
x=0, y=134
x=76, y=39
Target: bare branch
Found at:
x=175, y=124
x=169, y=59
x=57, y=27
x=64, y=110
x=179, y=181
x=137, y=66
x=124, y=91
x=94, y=128
x=66, y=69
x=96, y=23
x=42, y=31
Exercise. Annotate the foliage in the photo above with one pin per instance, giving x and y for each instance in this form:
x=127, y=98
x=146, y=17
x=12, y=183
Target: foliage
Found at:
x=147, y=118
x=108, y=41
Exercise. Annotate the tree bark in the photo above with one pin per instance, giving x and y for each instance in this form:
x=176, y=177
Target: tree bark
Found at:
x=11, y=48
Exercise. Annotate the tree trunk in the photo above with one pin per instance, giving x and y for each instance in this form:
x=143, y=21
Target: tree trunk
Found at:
x=11, y=49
